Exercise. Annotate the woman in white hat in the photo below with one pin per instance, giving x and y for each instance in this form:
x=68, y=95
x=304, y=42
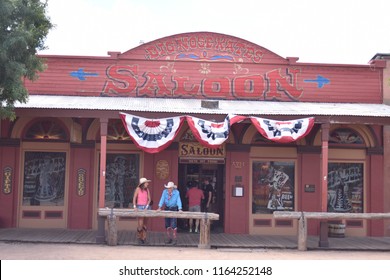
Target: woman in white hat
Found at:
x=170, y=197
x=141, y=201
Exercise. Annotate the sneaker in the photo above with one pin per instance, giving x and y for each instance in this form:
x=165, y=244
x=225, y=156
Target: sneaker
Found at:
x=168, y=241
x=174, y=242
x=190, y=229
x=196, y=230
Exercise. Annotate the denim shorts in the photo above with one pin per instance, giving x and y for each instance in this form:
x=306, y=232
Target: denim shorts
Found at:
x=195, y=208
x=142, y=207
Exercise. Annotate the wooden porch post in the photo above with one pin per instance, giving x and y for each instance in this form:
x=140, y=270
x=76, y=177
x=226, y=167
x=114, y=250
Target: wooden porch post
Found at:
x=100, y=237
x=324, y=242
x=302, y=233
x=103, y=157
x=204, y=238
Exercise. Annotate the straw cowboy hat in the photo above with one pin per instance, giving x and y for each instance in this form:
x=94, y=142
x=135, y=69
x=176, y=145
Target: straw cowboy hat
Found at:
x=170, y=185
x=143, y=180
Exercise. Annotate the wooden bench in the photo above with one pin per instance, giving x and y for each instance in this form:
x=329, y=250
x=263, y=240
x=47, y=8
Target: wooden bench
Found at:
x=204, y=217
x=303, y=216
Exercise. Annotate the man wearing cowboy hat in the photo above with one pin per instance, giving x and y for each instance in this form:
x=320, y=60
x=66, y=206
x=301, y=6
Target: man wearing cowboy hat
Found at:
x=170, y=197
x=141, y=201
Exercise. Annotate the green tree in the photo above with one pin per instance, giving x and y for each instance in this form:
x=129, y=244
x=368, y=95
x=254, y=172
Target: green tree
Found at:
x=24, y=26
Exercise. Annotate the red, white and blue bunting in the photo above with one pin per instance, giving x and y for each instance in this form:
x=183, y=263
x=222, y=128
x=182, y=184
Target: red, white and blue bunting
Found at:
x=151, y=135
x=154, y=135
x=283, y=131
x=212, y=134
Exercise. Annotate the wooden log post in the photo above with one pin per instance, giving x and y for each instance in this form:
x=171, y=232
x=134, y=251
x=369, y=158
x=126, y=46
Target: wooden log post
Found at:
x=204, y=238
x=302, y=233
x=112, y=236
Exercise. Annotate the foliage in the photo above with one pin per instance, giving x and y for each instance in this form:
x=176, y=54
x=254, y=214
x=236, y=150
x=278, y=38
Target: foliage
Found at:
x=24, y=26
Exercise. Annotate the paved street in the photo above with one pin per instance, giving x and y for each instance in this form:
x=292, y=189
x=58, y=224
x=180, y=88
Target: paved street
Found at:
x=42, y=251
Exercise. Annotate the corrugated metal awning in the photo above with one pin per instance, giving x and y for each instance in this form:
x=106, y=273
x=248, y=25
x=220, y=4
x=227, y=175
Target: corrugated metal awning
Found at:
x=194, y=106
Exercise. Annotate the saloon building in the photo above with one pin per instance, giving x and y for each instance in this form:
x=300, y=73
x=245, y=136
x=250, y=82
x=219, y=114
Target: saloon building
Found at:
x=269, y=133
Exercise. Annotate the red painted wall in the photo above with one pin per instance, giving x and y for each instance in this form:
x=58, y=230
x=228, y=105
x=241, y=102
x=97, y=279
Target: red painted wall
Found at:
x=309, y=201
x=237, y=208
x=5, y=128
x=80, y=207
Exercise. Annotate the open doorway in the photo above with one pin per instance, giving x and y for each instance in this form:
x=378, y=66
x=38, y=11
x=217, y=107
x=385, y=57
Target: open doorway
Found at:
x=189, y=172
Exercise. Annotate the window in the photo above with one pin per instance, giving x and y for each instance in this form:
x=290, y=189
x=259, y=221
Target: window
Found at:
x=273, y=186
x=122, y=175
x=345, y=136
x=116, y=131
x=44, y=178
x=345, y=187
x=46, y=130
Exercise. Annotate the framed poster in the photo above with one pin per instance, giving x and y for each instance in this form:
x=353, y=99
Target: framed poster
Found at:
x=272, y=186
x=345, y=187
x=44, y=178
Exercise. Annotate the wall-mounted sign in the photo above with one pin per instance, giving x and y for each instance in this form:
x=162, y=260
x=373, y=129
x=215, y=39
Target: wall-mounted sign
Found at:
x=197, y=150
x=238, y=164
x=310, y=188
x=81, y=181
x=7, y=180
x=237, y=179
x=162, y=169
x=238, y=190
x=202, y=160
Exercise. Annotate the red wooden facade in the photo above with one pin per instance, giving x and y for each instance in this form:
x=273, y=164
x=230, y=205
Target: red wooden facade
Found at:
x=190, y=66
x=87, y=145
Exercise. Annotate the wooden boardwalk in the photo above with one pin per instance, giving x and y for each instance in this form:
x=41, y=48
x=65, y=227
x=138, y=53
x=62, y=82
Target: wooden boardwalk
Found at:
x=218, y=240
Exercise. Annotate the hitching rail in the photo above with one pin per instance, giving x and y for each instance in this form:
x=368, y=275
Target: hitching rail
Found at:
x=303, y=216
x=112, y=213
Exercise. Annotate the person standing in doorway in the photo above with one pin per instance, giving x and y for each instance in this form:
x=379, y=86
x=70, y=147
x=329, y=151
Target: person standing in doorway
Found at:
x=170, y=198
x=195, y=196
x=208, y=195
x=141, y=201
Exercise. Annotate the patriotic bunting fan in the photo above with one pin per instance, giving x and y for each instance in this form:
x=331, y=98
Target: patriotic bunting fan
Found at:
x=212, y=134
x=283, y=131
x=154, y=135
x=151, y=135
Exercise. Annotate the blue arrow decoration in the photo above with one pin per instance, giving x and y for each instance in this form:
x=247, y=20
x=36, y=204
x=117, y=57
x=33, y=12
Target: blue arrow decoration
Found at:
x=321, y=81
x=81, y=75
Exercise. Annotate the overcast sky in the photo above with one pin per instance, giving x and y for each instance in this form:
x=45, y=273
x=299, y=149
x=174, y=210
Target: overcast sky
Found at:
x=329, y=31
